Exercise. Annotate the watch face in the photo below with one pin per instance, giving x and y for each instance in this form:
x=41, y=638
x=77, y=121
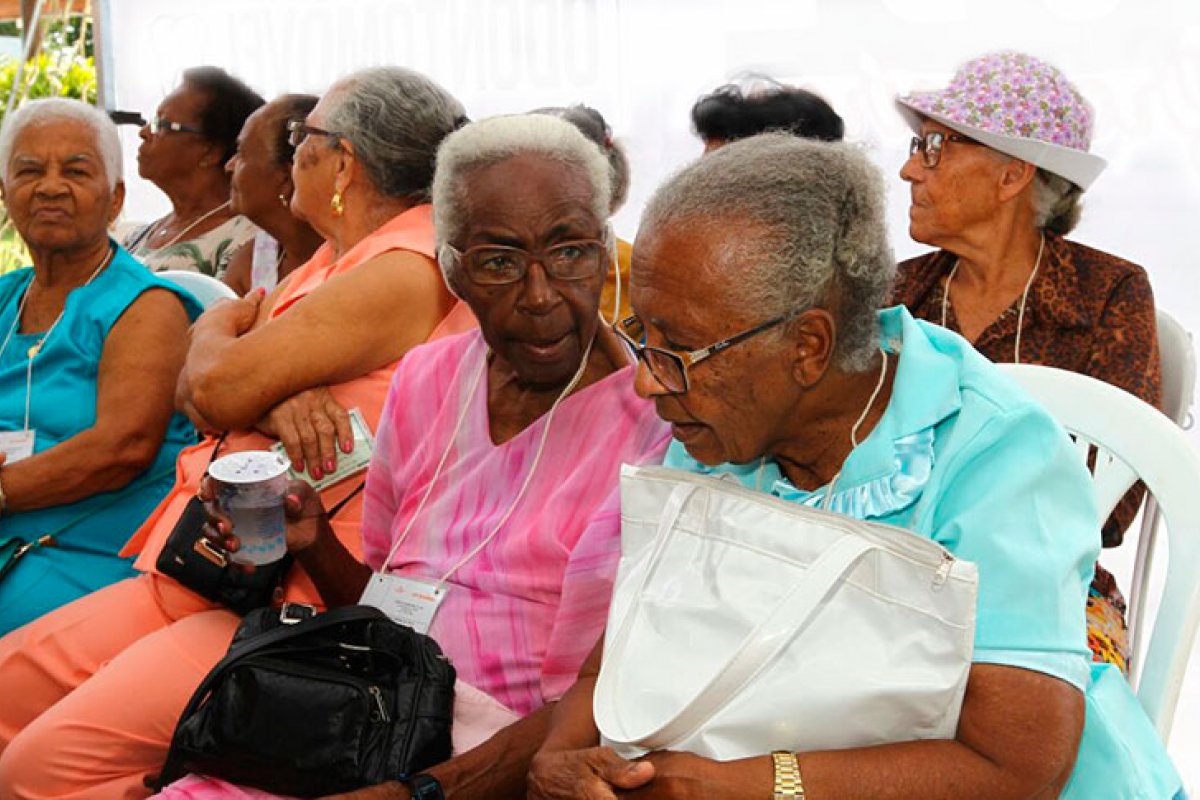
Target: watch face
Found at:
x=425, y=787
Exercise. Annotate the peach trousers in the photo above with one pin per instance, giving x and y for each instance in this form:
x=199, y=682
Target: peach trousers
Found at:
x=90, y=693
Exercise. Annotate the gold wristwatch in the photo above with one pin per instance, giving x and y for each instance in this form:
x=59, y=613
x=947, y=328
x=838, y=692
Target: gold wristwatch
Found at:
x=788, y=785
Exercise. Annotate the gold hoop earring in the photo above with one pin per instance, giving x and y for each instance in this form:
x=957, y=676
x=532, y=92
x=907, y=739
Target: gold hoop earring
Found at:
x=336, y=205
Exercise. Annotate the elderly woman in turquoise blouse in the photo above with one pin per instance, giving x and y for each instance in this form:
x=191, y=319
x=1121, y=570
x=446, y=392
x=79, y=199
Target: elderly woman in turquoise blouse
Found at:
x=775, y=249
x=91, y=345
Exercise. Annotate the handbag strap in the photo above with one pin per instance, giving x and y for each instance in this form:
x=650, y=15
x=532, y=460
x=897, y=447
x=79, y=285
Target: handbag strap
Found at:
x=285, y=632
x=761, y=646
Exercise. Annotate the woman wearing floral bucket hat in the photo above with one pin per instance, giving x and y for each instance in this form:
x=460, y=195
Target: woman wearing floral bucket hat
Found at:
x=997, y=168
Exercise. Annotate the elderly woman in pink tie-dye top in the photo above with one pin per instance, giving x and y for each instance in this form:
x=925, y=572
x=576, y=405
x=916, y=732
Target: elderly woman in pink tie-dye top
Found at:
x=498, y=451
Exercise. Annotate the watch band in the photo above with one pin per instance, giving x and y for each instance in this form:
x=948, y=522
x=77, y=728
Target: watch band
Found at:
x=424, y=787
x=788, y=785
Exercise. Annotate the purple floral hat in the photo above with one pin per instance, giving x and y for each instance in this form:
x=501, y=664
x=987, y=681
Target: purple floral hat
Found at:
x=1018, y=105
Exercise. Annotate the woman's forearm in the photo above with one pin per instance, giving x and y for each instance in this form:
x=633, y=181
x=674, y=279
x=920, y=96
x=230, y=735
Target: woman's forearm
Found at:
x=92, y=461
x=573, y=726
x=215, y=382
x=338, y=575
x=927, y=769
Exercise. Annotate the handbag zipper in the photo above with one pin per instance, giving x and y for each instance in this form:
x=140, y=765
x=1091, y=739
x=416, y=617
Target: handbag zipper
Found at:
x=926, y=551
x=382, y=713
x=272, y=661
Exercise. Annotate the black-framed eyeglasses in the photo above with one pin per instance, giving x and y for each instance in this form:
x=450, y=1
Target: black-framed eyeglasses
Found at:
x=496, y=264
x=299, y=130
x=160, y=124
x=930, y=146
x=670, y=367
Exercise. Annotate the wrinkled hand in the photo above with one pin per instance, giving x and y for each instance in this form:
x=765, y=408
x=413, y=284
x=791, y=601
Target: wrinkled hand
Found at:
x=312, y=427
x=597, y=773
x=305, y=515
x=307, y=519
x=218, y=527
x=233, y=317
x=677, y=776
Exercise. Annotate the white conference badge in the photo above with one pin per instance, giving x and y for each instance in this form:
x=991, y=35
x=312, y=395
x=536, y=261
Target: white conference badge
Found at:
x=16, y=445
x=405, y=600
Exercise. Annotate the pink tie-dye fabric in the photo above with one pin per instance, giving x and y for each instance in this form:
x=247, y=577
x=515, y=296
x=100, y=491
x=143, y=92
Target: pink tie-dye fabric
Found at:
x=522, y=615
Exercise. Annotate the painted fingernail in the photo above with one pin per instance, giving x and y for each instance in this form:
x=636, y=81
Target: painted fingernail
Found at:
x=330, y=464
x=348, y=446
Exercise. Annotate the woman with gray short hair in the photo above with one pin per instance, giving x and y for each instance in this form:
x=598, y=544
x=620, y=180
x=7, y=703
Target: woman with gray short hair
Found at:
x=90, y=347
x=757, y=278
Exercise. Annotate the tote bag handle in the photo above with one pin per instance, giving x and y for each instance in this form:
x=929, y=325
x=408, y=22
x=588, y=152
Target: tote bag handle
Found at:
x=757, y=650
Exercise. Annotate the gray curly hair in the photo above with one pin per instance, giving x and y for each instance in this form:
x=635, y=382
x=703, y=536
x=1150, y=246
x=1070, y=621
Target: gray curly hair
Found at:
x=1056, y=206
x=395, y=118
x=496, y=139
x=812, y=230
x=37, y=112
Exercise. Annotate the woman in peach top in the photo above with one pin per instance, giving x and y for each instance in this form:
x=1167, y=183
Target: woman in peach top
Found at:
x=92, y=692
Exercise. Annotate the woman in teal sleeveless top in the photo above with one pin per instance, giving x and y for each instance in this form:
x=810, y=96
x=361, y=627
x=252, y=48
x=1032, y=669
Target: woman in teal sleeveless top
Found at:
x=88, y=341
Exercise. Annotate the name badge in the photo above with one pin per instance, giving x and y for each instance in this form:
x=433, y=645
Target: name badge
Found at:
x=405, y=600
x=16, y=445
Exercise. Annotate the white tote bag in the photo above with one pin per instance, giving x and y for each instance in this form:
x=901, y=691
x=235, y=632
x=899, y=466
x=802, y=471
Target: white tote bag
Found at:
x=742, y=624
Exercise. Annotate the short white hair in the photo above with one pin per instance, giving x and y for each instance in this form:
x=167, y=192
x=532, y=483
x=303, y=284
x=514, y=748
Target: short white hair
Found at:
x=53, y=109
x=496, y=139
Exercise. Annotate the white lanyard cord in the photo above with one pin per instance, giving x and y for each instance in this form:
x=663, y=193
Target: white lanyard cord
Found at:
x=470, y=396
x=1024, y=295
x=827, y=502
x=37, y=348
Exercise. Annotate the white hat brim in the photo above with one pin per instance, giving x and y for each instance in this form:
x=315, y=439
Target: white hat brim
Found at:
x=1079, y=167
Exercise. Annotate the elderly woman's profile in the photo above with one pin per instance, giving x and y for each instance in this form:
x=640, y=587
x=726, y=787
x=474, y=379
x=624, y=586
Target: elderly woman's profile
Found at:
x=758, y=276
x=997, y=171
x=183, y=152
x=90, y=347
x=285, y=367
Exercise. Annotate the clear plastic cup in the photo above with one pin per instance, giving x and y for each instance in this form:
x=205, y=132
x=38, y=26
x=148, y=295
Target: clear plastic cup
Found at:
x=250, y=488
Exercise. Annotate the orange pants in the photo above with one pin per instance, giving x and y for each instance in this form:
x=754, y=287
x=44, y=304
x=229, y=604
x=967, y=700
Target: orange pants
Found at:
x=90, y=693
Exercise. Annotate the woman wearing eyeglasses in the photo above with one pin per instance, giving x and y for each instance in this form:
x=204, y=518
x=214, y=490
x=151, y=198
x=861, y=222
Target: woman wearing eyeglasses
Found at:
x=183, y=152
x=283, y=367
x=758, y=273
x=997, y=169
x=499, y=451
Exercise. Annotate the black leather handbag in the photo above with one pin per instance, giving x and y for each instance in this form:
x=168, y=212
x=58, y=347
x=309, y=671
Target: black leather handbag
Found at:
x=190, y=558
x=308, y=707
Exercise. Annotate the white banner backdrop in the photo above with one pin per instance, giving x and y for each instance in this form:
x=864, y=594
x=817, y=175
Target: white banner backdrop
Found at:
x=644, y=62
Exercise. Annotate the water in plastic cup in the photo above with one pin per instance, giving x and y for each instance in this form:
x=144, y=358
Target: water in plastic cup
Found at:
x=250, y=489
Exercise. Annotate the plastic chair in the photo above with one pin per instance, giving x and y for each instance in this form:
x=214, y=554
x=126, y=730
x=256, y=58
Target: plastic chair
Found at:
x=206, y=290
x=1136, y=441
x=1178, y=357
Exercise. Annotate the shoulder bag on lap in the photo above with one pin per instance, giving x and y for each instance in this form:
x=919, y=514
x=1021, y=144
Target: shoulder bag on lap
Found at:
x=320, y=705
x=743, y=624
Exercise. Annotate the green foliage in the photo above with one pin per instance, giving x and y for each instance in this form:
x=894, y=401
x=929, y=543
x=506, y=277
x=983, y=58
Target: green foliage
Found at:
x=64, y=68
x=47, y=75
